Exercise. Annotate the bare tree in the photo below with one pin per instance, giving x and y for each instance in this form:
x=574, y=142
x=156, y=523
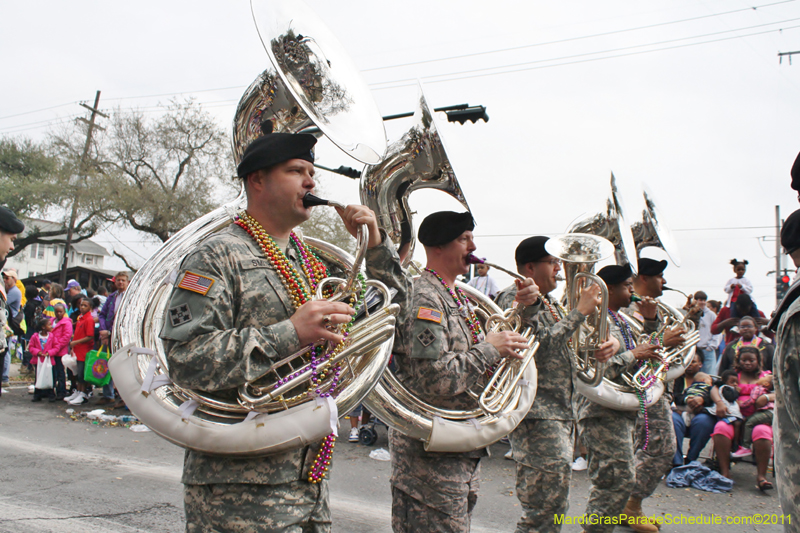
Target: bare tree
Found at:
x=166, y=171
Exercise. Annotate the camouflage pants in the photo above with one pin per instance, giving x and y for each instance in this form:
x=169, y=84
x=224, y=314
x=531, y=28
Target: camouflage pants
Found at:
x=296, y=507
x=542, y=450
x=653, y=463
x=787, y=467
x=609, y=440
x=410, y=515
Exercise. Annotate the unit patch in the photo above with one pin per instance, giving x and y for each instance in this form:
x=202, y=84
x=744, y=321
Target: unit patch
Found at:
x=196, y=283
x=180, y=315
x=426, y=337
x=429, y=314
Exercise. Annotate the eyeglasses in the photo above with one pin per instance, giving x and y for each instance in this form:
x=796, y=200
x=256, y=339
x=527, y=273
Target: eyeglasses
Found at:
x=554, y=262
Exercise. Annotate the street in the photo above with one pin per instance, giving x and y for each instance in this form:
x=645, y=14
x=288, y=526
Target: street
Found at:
x=65, y=475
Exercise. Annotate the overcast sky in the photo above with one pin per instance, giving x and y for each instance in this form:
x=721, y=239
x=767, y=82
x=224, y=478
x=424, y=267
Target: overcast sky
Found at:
x=686, y=96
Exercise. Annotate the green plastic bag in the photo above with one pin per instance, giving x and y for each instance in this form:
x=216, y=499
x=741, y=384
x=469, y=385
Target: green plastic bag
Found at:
x=96, y=367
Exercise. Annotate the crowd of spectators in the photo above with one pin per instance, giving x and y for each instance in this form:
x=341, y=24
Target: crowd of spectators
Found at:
x=47, y=322
x=734, y=355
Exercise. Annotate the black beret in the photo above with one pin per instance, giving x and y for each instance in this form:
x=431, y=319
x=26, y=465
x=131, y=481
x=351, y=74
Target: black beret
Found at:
x=790, y=232
x=651, y=267
x=444, y=227
x=9, y=222
x=615, y=274
x=796, y=174
x=530, y=250
x=276, y=148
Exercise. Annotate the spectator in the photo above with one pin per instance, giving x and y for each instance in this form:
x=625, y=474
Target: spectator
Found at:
x=102, y=293
x=704, y=318
x=729, y=317
x=13, y=304
x=55, y=296
x=38, y=343
x=737, y=284
x=57, y=347
x=747, y=328
x=73, y=290
x=483, y=281
x=106, y=316
x=748, y=365
x=44, y=289
x=82, y=342
x=717, y=339
x=33, y=313
x=703, y=422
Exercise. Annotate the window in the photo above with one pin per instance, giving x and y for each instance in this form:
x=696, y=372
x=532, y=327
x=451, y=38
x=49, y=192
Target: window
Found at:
x=37, y=251
x=55, y=250
x=88, y=259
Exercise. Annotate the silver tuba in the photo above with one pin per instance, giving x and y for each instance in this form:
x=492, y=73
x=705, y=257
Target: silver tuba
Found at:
x=312, y=84
x=419, y=160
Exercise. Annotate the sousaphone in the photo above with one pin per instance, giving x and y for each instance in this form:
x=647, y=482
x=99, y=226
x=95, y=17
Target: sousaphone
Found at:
x=419, y=160
x=311, y=84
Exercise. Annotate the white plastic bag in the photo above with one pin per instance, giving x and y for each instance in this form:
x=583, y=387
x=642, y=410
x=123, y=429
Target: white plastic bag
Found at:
x=71, y=362
x=44, y=374
x=380, y=454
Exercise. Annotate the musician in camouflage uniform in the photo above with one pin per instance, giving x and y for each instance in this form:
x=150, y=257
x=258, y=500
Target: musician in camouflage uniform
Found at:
x=232, y=314
x=440, y=352
x=608, y=433
x=10, y=227
x=657, y=430
x=542, y=444
x=786, y=367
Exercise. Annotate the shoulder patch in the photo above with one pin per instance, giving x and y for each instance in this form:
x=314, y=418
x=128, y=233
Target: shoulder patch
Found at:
x=195, y=283
x=426, y=337
x=180, y=315
x=433, y=315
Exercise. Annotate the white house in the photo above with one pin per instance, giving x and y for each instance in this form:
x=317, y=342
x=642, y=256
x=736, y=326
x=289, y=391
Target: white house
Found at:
x=38, y=259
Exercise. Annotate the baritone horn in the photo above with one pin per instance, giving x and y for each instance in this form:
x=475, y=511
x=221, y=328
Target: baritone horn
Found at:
x=311, y=82
x=580, y=252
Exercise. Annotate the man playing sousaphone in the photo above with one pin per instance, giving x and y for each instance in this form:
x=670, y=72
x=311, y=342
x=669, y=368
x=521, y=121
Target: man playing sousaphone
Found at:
x=440, y=352
x=241, y=301
x=543, y=442
x=608, y=433
x=655, y=434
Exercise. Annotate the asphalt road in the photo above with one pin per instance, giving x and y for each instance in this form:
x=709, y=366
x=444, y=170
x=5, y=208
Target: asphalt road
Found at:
x=64, y=475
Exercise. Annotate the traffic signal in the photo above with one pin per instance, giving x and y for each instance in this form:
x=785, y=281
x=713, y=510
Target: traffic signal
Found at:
x=473, y=114
x=783, y=286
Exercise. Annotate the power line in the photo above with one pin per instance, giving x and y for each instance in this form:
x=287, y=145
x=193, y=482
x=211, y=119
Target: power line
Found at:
x=469, y=73
x=570, y=39
x=38, y=110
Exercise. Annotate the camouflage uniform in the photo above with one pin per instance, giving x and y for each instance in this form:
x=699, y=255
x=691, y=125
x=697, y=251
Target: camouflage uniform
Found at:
x=542, y=444
x=437, y=360
x=786, y=366
x=656, y=460
x=232, y=335
x=608, y=436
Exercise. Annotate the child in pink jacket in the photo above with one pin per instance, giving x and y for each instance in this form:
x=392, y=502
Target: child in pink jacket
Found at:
x=36, y=346
x=57, y=347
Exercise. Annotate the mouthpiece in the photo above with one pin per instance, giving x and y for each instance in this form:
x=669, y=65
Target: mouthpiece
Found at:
x=309, y=200
x=472, y=260
x=636, y=298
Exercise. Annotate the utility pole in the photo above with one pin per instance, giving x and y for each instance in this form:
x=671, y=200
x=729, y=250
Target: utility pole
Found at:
x=778, y=269
x=81, y=173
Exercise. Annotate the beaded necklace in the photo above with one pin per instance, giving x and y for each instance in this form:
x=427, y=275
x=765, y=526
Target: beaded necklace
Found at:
x=300, y=293
x=625, y=330
x=463, y=307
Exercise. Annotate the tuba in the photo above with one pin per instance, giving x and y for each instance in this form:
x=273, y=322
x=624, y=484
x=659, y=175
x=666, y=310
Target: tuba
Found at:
x=311, y=83
x=419, y=160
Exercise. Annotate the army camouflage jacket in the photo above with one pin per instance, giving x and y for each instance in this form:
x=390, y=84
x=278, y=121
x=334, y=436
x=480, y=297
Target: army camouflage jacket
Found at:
x=228, y=327
x=620, y=362
x=786, y=367
x=555, y=361
x=434, y=353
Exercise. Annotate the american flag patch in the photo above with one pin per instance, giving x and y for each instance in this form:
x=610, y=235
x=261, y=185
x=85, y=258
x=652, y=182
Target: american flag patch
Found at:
x=195, y=283
x=429, y=314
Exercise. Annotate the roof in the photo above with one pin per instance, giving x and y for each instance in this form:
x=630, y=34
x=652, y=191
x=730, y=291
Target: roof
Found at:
x=86, y=246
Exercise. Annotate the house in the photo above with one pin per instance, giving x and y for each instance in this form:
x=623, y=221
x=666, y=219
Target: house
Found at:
x=40, y=259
